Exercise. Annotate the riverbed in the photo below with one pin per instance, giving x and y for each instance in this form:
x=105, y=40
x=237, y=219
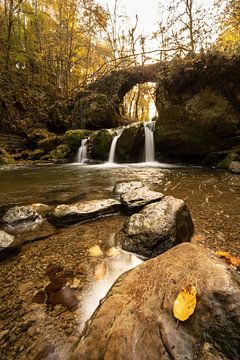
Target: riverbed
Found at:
x=213, y=197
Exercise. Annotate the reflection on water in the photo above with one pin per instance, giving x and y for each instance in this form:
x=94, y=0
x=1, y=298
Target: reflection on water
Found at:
x=99, y=288
x=212, y=195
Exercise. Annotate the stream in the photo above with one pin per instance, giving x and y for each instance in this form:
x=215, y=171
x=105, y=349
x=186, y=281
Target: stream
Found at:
x=26, y=328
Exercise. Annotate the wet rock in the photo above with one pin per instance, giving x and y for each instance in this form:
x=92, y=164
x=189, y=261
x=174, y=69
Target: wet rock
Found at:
x=124, y=187
x=157, y=228
x=138, y=311
x=7, y=241
x=138, y=198
x=21, y=215
x=64, y=215
x=235, y=167
x=42, y=209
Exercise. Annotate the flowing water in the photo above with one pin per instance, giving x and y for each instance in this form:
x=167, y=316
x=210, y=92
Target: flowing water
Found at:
x=82, y=155
x=213, y=197
x=112, y=150
x=149, y=141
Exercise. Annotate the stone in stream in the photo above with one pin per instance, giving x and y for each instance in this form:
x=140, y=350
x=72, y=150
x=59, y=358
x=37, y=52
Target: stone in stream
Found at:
x=136, y=199
x=124, y=187
x=157, y=228
x=7, y=241
x=64, y=215
x=26, y=223
x=234, y=167
x=135, y=320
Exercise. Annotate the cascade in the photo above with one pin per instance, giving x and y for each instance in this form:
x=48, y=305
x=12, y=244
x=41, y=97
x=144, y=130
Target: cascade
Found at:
x=82, y=152
x=111, y=156
x=149, y=141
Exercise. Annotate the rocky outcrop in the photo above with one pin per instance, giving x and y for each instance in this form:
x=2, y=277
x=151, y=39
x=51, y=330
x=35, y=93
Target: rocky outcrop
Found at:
x=64, y=215
x=157, y=228
x=136, y=199
x=135, y=320
x=130, y=145
x=101, y=145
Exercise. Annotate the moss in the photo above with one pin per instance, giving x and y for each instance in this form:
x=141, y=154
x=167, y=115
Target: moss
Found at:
x=60, y=154
x=130, y=145
x=73, y=138
x=225, y=163
x=101, y=145
x=6, y=158
x=50, y=143
x=37, y=135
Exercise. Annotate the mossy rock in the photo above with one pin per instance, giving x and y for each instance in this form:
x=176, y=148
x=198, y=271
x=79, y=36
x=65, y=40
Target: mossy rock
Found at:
x=101, y=145
x=49, y=143
x=73, y=138
x=6, y=158
x=130, y=145
x=37, y=135
x=225, y=163
x=61, y=154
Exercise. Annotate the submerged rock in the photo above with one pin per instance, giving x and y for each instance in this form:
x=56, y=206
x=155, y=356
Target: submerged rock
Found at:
x=234, y=167
x=138, y=198
x=124, y=187
x=64, y=215
x=157, y=228
x=138, y=311
x=26, y=224
x=7, y=241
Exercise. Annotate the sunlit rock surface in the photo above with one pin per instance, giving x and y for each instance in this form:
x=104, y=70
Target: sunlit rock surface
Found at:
x=138, y=198
x=157, y=228
x=135, y=321
x=7, y=241
x=124, y=187
x=64, y=215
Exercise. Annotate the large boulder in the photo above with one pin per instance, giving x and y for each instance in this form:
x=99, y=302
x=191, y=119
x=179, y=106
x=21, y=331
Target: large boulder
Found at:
x=64, y=215
x=157, y=228
x=136, y=199
x=135, y=320
x=101, y=145
x=130, y=145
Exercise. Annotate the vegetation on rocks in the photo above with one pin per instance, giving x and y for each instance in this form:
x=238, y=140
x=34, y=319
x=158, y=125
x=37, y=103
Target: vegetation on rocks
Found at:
x=6, y=158
x=101, y=145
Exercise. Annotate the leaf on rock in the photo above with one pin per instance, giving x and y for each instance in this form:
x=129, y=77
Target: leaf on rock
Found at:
x=232, y=260
x=185, y=303
x=95, y=251
x=112, y=252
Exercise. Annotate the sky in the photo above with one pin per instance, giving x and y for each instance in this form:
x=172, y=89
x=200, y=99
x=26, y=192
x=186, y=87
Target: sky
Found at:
x=146, y=10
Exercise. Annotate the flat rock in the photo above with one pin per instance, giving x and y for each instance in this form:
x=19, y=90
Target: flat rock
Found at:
x=124, y=187
x=157, y=228
x=21, y=215
x=135, y=320
x=234, y=167
x=138, y=198
x=64, y=215
x=42, y=209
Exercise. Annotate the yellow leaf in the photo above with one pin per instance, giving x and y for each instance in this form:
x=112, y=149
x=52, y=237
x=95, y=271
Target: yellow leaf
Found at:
x=95, y=251
x=185, y=303
x=112, y=252
x=232, y=260
x=224, y=254
x=100, y=270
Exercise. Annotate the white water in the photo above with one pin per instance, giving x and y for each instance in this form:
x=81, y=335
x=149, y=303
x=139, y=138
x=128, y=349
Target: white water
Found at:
x=149, y=141
x=111, y=156
x=82, y=152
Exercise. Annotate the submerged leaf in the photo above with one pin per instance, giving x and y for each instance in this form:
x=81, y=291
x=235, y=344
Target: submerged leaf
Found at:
x=95, y=251
x=185, y=303
x=100, y=270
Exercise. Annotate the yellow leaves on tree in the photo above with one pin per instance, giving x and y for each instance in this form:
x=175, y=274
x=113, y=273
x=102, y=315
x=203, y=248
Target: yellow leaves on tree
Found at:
x=232, y=260
x=185, y=303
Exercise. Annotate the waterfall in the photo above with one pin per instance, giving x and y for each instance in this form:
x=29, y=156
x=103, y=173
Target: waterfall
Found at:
x=149, y=141
x=111, y=156
x=82, y=152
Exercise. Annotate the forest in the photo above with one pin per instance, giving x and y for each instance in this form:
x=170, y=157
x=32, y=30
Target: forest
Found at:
x=119, y=180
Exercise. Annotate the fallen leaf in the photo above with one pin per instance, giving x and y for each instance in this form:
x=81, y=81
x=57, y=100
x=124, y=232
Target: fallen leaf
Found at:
x=233, y=260
x=100, y=270
x=185, y=303
x=95, y=251
x=112, y=252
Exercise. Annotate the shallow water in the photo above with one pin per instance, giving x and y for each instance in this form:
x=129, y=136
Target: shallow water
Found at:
x=211, y=195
